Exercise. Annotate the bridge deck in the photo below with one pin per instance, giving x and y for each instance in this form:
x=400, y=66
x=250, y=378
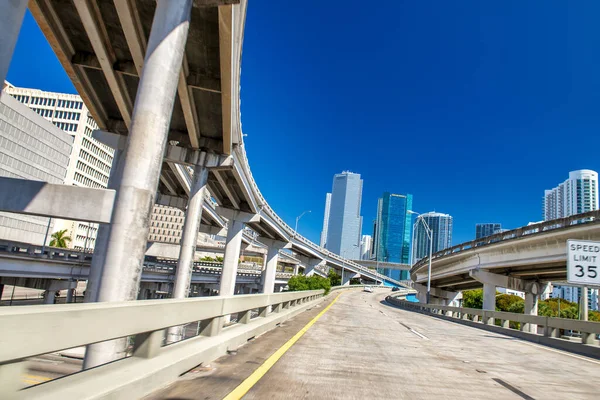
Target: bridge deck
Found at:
x=361, y=349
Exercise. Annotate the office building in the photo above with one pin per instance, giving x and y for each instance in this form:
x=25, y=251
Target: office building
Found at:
x=393, y=232
x=571, y=293
x=366, y=246
x=441, y=227
x=30, y=148
x=576, y=195
x=90, y=161
x=487, y=229
x=344, y=223
x=325, y=220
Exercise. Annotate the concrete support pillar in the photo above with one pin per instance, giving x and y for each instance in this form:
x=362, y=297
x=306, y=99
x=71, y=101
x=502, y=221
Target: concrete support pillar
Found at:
x=347, y=275
x=296, y=267
x=97, y=264
x=531, y=308
x=49, y=296
x=230, y=259
x=489, y=297
x=138, y=172
x=70, y=293
x=12, y=13
x=271, y=264
x=189, y=235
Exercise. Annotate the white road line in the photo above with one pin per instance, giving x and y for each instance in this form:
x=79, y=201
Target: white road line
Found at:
x=559, y=351
x=418, y=334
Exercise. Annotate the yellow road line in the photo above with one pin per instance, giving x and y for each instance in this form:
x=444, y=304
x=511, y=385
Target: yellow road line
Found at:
x=34, y=379
x=245, y=386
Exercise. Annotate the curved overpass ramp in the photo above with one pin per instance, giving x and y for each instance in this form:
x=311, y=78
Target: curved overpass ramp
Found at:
x=535, y=253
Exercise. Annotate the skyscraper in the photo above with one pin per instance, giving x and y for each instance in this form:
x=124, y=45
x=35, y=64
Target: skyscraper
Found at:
x=344, y=223
x=393, y=230
x=576, y=195
x=90, y=161
x=487, y=229
x=441, y=227
x=30, y=148
x=325, y=220
x=366, y=245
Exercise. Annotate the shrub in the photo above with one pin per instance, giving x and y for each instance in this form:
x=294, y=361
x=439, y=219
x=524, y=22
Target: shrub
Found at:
x=314, y=282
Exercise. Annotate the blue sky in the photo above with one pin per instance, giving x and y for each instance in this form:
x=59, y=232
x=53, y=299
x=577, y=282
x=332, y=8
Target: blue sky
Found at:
x=473, y=107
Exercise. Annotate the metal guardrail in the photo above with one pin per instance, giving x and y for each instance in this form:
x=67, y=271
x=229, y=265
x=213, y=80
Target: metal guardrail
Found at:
x=152, y=364
x=546, y=226
x=295, y=235
x=527, y=323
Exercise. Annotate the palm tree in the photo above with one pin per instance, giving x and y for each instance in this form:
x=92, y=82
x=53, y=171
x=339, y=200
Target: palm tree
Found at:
x=59, y=239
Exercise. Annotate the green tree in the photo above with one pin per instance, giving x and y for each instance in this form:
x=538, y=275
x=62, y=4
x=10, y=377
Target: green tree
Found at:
x=473, y=298
x=505, y=301
x=219, y=259
x=303, y=282
x=355, y=281
x=334, y=279
x=59, y=239
x=207, y=258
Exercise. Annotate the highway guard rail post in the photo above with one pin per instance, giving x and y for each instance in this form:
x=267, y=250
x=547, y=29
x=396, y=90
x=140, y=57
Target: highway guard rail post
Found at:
x=550, y=326
x=29, y=331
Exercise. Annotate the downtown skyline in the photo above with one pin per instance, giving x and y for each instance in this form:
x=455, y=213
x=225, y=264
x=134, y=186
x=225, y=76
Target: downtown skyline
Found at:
x=285, y=121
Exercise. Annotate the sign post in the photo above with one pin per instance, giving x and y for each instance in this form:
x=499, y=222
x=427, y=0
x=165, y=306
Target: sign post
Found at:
x=583, y=262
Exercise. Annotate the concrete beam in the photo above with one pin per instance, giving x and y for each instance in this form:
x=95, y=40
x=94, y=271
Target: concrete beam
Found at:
x=436, y=292
x=44, y=199
x=171, y=201
x=237, y=215
x=508, y=282
x=213, y=230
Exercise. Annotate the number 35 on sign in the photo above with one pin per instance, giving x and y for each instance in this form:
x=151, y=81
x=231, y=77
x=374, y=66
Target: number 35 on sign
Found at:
x=583, y=262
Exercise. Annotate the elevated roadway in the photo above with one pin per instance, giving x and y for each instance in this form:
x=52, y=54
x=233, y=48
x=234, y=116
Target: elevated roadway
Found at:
x=362, y=348
x=516, y=258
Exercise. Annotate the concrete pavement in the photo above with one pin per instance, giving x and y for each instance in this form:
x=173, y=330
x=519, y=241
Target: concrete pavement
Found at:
x=362, y=348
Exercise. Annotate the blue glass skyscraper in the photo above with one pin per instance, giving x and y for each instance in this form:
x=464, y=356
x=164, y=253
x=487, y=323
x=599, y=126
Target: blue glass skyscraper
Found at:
x=343, y=229
x=393, y=232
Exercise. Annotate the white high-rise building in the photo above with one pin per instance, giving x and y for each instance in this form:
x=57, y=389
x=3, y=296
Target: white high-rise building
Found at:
x=441, y=227
x=90, y=161
x=326, y=220
x=30, y=148
x=366, y=244
x=576, y=195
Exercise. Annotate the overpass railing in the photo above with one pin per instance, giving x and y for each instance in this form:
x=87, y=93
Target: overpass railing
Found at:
x=561, y=223
x=549, y=326
x=30, y=331
x=293, y=234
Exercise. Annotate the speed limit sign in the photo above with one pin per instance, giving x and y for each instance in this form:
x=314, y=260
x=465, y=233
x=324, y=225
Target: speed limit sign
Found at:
x=583, y=262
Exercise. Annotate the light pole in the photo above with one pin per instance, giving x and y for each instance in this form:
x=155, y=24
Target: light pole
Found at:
x=298, y=219
x=429, y=233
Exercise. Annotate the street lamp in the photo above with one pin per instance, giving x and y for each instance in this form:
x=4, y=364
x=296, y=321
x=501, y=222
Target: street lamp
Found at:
x=298, y=219
x=429, y=233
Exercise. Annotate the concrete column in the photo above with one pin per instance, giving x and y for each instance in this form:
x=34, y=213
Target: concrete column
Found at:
x=189, y=235
x=140, y=168
x=489, y=297
x=531, y=308
x=233, y=244
x=271, y=267
x=346, y=276
x=12, y=13
x=49, y=296
x=97, y=264
x=296, y=267
x=70, y=295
